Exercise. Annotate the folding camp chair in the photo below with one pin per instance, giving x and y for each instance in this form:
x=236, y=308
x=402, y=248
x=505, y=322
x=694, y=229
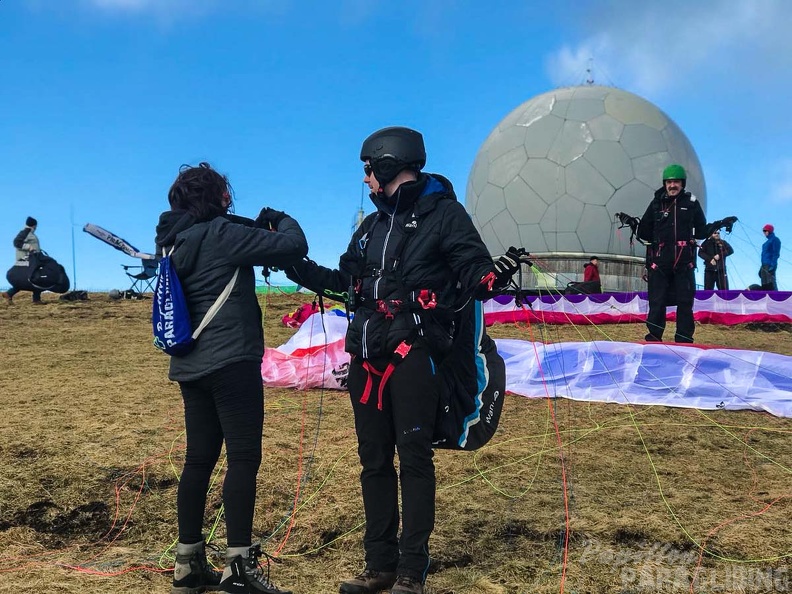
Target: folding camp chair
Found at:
x=143, y=279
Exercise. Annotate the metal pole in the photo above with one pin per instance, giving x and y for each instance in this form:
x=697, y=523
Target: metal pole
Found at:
x=74, y=254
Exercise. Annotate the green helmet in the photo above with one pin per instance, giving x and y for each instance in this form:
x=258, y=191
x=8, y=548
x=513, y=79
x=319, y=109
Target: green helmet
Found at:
x=674, y=172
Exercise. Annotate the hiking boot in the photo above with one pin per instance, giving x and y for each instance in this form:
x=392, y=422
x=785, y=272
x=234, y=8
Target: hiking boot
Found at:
x=38, y=302
x=369, y=581
x=7, y=297
x=652, y=338
x=406, y=584
x=192, y=573
x=243, y=574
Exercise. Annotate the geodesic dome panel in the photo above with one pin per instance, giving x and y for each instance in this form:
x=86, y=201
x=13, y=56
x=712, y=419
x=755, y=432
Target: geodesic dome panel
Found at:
x=555, y=171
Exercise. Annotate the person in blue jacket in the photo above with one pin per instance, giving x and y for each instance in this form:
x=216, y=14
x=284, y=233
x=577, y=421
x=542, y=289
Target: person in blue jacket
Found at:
x=771, y=249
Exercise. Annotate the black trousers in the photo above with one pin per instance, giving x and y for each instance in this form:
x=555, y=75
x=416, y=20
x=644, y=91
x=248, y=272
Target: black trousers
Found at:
x=663, y=282
x=36, y=293
x=225, y=405
x=405, y=424
x=713, y=278
x=768, y=278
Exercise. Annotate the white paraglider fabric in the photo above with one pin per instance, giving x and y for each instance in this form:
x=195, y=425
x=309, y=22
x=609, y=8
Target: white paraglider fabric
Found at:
x=660, y=374
x=710, y=307
x=601, y=371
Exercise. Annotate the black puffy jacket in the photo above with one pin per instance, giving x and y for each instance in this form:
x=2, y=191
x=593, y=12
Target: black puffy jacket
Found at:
x=671, y=226
x=427, y=241
x=205, y=257
x=710, y=248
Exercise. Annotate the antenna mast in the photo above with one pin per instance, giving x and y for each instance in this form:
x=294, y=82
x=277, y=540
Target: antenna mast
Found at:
x=589, y=77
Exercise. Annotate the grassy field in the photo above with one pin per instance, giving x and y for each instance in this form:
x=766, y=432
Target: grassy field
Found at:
x=568, y=496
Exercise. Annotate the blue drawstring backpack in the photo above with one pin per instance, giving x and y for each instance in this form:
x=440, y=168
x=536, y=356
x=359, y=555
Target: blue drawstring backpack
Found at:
x=170, y=317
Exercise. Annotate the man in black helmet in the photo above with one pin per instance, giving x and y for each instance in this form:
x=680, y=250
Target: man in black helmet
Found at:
x=409, y=266
x=671, y=224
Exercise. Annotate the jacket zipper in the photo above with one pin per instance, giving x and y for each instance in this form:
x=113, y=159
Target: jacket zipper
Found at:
x=364, y=338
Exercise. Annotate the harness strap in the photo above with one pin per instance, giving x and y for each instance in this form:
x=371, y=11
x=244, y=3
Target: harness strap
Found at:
x=399, y=355
x=369, y=384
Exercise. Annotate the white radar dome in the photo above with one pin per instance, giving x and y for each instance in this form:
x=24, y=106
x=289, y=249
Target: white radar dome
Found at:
x=553, y=174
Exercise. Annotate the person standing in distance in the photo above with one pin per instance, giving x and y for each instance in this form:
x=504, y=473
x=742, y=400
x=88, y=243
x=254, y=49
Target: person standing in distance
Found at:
x=407, y=268
x=220, y=379
x=670, y=226
x=591, y=275
x=714, y=252
x=771, y=250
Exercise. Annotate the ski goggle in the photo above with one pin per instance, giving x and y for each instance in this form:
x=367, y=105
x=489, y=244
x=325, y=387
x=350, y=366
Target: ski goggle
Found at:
x=367, y=169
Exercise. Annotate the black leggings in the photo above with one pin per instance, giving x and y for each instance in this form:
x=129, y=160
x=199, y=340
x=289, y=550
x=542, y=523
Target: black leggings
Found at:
x=227, y=404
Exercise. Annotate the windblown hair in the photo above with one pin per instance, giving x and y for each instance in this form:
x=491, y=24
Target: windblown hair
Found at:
x=201, y=191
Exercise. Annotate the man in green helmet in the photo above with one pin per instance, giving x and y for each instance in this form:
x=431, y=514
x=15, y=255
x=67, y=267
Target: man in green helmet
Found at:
x=670, y=226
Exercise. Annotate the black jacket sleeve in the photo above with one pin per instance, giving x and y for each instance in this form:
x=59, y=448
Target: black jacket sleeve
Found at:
x=645, y=231
x=249, y=246
x=327, y=281
x=19, y=240
x=464, y=250
x=704, y=251
x=700, y=230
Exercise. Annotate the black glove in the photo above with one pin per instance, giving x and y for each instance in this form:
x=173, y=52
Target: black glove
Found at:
x=508, y=264
x=270, y=218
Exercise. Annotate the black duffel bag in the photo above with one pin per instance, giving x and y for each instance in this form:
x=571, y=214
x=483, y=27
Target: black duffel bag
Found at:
x=45, y=274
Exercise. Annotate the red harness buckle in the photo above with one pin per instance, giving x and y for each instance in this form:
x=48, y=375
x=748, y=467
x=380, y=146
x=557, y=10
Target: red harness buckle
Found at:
x=488, y=280
x=427, y=299
x=389, y=307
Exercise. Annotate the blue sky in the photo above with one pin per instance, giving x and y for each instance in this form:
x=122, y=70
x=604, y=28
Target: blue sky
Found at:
x=102, y=100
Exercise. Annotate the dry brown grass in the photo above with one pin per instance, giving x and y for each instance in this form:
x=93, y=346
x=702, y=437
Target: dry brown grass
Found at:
x=91, y=446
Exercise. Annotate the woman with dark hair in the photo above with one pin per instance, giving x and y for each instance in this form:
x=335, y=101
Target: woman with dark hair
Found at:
x=220, y=379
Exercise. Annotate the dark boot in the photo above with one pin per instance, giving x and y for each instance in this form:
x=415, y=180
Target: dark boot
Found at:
x=369, y=581
x=243, y=573
x=192, y=573
x=406, y=584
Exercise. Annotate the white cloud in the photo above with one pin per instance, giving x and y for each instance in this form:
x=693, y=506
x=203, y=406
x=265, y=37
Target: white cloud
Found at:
x=645, y=46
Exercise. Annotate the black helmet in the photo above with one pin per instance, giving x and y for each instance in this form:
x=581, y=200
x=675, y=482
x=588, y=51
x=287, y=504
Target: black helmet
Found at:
x=392, y=150
x=396, y=142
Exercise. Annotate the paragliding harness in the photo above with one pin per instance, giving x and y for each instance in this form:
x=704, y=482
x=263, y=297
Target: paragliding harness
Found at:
x=472, y=375
x=626, y=220
x=170, y=316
